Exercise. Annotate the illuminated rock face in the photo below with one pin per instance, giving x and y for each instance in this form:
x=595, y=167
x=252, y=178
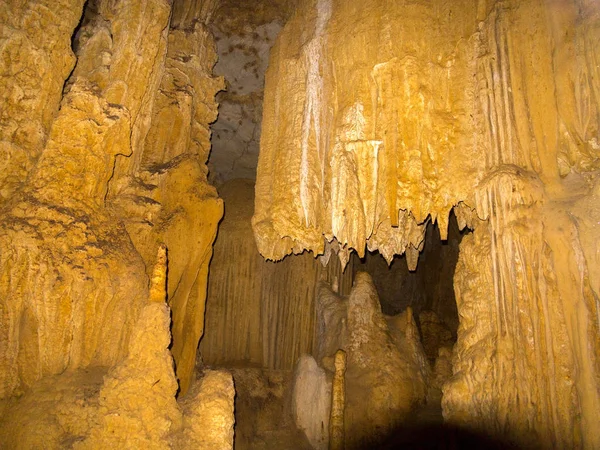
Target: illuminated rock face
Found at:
x=378, y=115
x=133, y=403
x=35, y=60
x=161, y=192
x=117, y=170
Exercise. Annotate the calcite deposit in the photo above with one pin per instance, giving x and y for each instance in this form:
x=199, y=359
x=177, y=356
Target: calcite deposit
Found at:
x=384, y=127
x=378, y=370
x=35, y=60
x=65, y=303
x=380, y=117
x=161, y=192
x=259, y=312
x=116, y=170
x=131, y=405
x=311, y=401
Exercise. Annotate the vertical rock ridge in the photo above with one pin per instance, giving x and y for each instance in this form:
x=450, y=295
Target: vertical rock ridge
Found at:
x=161, y=192
x=36, y=59
x=259, y=312
x=492, y=111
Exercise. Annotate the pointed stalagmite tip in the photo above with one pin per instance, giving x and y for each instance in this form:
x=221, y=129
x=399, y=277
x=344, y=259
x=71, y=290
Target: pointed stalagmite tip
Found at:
x=158, y=282
x=338, y=402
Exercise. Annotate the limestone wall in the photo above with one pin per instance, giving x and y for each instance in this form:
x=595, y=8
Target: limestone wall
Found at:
x=117, y=169
x=378, y=115
x=35, y=60
x=259, y=313
x=161, y=192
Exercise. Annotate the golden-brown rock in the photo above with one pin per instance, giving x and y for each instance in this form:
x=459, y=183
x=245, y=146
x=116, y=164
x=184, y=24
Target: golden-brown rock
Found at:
x=259, y=312
x=63, y=240
x=378, y=115
x=356, y=130
x=386, y=369
x=137, y=405
x=66, y=303
x=338, y=403
x=161, y=192
x=132, y=405
x=35, y=60
x=208, y=413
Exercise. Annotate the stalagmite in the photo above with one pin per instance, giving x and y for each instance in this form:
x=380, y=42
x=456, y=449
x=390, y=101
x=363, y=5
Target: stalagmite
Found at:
x=133, y=404
x=209, y=413
x=158, y=281
x=493, y=110
x=385, y=370
x=338, y=403
x=311, y=402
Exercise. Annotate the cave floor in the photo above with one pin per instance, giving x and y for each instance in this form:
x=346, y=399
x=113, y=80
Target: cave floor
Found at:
x=263, y=417
x=262, y=411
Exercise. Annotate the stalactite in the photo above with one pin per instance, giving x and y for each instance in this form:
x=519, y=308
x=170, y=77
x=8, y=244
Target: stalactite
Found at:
x=259, y=312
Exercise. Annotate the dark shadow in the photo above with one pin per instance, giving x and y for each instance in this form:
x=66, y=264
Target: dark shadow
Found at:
x=440, y=436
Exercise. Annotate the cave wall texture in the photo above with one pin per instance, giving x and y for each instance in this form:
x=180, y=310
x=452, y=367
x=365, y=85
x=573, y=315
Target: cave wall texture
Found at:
x=260, y=313
x=103, y=159
x=244, y=32
x=379, y=115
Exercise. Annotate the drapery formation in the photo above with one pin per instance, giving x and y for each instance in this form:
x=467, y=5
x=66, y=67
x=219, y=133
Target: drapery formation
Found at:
x=380, y=115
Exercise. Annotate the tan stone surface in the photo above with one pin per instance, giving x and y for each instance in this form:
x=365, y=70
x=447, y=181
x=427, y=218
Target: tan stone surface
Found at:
x=311, y=401
x=378, y=115
x=35, y=60
x=337, y=440
x=386, y=369
x=161, y=192
x=354, y=131
x=259, y=312
x=65, y=300
x=123, y=163
x=131, y=405
x=137, y=406
x=208, y=410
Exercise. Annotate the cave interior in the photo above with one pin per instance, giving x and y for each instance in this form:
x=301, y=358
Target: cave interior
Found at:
x=299, y=224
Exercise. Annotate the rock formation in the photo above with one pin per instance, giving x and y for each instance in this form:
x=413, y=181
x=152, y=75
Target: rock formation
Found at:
x=161, y=192
x=65, y=301
x=385, y=371
x=379, y=119
x=337, y=440
x=118, y=168
x=381, y=116
x=35, y=60
x=208, y=413
x=133, y=404
x=311, y=402
x=259, y=312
